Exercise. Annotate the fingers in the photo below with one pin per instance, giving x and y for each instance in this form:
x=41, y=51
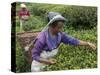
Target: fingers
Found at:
x=53, y=61
x=92, y=46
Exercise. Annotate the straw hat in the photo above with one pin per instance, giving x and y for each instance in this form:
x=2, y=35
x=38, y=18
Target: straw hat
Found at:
x=23, y=6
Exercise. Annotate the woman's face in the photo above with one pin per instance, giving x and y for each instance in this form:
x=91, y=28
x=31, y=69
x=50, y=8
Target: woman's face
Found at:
x=23, y=9
x=58, y=27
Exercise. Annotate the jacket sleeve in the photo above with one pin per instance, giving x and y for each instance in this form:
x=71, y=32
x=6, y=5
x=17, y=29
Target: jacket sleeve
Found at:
x=66, y=39
x=38, y=47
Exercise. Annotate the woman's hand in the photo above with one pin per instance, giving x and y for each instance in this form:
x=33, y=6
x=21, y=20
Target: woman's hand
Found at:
x=52, y=61
x=92, y=46
x=47, y=61
x=25, y=18
x=84, y=43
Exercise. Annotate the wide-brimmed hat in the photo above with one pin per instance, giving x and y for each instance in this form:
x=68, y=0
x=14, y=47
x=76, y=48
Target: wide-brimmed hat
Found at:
x=55, y=16
x=23, y=6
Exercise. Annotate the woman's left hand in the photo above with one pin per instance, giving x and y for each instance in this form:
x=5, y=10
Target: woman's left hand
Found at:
x=53, y=60
x=92, y=46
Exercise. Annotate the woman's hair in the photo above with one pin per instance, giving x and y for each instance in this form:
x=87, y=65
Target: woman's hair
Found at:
x=55, y=23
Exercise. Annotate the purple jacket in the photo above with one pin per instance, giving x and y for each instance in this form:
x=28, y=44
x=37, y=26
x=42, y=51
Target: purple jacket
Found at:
x=42, y=43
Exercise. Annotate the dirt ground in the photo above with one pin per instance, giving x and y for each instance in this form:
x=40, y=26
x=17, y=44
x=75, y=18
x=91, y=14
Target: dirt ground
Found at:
x=25, y=38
